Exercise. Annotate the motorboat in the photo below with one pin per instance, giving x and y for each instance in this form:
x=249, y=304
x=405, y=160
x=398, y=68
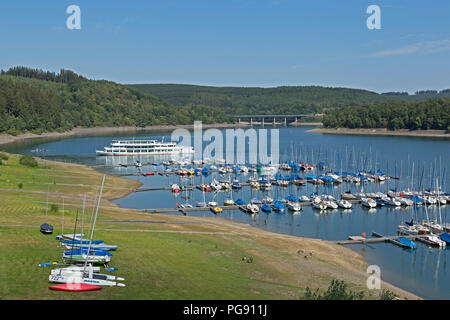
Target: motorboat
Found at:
x=294, y=206
x=368, y=202
x=344, y=204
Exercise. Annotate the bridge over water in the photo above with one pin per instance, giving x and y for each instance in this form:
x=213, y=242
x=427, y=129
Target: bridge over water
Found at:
x=270, y=119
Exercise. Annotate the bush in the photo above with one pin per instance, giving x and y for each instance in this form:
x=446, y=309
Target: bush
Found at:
x=387, y=295
x=20, y=185
x=54, y=208
x=27, y=160
x=1, y=162
x=3, y=157
x=336, y=291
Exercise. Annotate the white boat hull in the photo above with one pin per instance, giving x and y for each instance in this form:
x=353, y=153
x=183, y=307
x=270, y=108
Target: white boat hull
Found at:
x=80, y=279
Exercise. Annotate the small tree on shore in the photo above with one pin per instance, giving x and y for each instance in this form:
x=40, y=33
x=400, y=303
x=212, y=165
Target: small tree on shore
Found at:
x=28, y=161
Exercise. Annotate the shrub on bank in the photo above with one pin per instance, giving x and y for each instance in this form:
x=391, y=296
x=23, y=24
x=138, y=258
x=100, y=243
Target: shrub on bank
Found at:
x=336, y=291
x=28, y=161
x=3, y=157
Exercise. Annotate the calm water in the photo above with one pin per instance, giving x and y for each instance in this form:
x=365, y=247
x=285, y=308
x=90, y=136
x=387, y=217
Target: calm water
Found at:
x=422, y=271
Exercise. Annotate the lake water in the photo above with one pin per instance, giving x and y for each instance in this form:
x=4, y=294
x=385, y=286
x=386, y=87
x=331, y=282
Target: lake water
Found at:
x=422, y=271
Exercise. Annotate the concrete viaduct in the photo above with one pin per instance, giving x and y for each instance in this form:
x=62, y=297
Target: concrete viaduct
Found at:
x=270, y=119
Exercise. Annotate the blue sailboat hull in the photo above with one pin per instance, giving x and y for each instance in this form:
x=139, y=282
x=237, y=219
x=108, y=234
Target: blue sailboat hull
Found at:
x=445, y=237
x=407, y=242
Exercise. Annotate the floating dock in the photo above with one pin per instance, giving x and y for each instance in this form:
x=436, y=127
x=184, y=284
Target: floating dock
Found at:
x=378, y=238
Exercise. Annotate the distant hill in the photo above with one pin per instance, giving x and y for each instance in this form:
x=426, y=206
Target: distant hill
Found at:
x=252, y=100
x=34, y=100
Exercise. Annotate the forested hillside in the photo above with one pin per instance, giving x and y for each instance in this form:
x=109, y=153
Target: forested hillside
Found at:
x=33, y=100
x=36, y=101
x=280, y=100
x=429, y=114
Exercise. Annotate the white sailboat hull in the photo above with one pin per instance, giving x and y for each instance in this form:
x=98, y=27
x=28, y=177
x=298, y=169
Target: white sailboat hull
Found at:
x=80, y=279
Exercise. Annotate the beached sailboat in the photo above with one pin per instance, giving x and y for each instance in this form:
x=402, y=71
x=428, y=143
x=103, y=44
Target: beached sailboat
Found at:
x=46, y=228
x=74, y=278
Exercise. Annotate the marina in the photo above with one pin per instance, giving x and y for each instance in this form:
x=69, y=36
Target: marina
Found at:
x=380, y=169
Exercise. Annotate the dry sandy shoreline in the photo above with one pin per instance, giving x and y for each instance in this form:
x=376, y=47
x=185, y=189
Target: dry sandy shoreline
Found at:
x=5, y=138
x=384, y=132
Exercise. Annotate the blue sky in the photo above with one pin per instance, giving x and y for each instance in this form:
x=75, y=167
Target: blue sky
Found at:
x=235, y=42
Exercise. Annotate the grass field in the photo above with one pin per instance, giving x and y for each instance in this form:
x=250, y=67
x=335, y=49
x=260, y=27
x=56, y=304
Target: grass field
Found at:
x=161, y=257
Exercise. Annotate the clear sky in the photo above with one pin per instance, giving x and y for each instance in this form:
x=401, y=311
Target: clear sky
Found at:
x=235, y=42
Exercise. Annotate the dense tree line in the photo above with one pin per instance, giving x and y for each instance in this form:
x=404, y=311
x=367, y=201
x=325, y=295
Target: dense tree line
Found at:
x=280, y=100
x=64, y=76
x=427, y=92
x=429, y=114
x=396, y=93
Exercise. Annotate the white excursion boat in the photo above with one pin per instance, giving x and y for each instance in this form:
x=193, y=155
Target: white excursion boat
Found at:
x=136, y=147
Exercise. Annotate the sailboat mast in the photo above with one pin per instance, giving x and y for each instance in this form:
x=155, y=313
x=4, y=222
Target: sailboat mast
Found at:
x=82, y=217
x=93, y=225
x=62, y=227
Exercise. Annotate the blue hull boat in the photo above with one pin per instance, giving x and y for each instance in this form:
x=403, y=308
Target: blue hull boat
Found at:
x=407, y=242
x=278, y=206
x=93, y=247
x=445, y=237
x=84, y=241
x=91, y=252
x=46, y=228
